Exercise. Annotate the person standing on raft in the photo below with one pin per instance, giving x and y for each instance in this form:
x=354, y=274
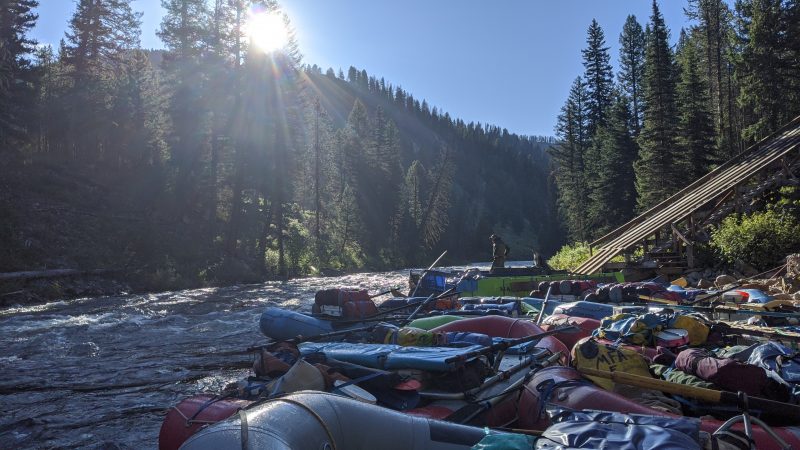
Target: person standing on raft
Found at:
x=499, y=251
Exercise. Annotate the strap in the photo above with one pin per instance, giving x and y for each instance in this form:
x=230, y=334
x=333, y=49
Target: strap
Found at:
x=546, y=388
x=204, y=406
x=245, y=429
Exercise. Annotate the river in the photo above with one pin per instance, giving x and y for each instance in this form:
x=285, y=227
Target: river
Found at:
x=101, y=372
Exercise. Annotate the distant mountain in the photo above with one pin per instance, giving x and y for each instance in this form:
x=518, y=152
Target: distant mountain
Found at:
x=501, y=183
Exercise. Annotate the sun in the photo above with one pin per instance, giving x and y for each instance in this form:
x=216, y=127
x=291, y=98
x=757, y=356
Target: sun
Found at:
x=267, y=31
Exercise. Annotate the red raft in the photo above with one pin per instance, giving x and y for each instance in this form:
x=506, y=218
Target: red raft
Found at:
x=585, y=325
x=506, y=327
x=564, y=386
x=192, y=414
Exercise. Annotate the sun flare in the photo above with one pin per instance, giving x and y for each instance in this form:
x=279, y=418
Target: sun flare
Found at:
x=267, y=31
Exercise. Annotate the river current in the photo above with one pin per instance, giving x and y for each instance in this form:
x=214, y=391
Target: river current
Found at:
x=102, y=372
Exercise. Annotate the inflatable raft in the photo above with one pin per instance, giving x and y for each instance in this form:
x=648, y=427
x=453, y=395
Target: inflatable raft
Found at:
x=506, y=327
x=318, y=420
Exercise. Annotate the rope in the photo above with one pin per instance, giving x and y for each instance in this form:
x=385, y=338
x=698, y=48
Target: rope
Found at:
x=193, y=419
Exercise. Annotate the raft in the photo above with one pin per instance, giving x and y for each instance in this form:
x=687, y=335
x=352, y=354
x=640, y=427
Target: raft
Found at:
x=281, y=324
x=586, y=326
x=318, y=420
x=506, y=327
x=564, y=386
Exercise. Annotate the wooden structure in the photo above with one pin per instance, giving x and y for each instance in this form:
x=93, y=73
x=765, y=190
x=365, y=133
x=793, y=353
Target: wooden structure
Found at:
x=666, y=233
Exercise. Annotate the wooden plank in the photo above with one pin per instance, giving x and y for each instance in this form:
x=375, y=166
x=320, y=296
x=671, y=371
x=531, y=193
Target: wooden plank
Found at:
x=730, y=174
x=700, y=181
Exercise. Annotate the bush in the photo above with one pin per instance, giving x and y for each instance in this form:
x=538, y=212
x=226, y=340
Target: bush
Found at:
x=569, y=257
x=761, y=239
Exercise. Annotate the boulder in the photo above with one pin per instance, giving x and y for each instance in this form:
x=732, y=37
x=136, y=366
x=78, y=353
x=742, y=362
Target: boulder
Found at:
x=745, y=268
x=793, y=265
x=723, y=280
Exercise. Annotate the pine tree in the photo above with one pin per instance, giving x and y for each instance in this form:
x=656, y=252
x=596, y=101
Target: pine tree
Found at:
x=612, y=190
x=695, y=124
x=657, y=175
x=763, y=66
x=101, y=33
x=568, y=156
x=631, y=63
x=139, y=135
x=713, y=34
x=183, y=31
x=598, y=76
x=16, y=75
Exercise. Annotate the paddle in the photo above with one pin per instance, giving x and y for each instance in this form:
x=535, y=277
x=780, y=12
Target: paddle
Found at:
x=505, y=345
x=707, y=395
x=426, y=271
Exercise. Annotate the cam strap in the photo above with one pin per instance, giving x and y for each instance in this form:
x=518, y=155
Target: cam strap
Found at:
x=245, y=430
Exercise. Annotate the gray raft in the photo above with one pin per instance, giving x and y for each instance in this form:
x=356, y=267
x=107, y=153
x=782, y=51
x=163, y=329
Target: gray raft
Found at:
x=318, y=420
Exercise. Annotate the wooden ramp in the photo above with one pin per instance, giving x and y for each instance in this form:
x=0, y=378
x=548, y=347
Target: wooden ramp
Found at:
x=669, y=228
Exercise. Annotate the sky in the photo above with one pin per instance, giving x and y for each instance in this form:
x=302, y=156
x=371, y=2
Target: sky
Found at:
x=508, y=63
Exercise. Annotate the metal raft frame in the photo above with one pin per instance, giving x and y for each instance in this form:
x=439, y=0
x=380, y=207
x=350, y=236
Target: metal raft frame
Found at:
x=667, y=232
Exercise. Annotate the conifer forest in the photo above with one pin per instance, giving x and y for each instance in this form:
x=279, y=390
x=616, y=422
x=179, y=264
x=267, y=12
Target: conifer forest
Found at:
x=210, y=161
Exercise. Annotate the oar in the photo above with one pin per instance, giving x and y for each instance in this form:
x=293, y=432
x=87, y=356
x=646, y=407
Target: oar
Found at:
x=725, y=310
x=715, y=294
x=544, y=305
x=505, y=345
x=426, y=271
x=416, y=311
x=706, y=395
x=298, y=339
x=382, y=293
x=472, y=410
x=488, y=382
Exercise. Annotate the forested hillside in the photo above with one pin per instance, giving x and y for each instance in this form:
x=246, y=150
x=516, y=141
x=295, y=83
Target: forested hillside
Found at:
x=214, y=161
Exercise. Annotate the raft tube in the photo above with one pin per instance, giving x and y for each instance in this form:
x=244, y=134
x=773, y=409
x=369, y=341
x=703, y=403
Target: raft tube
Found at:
x=319, y=420
x=192, y=414
x=506, y=327
x=569, y=389
x=281, y=324
x=585, y=309
x=585, y=325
